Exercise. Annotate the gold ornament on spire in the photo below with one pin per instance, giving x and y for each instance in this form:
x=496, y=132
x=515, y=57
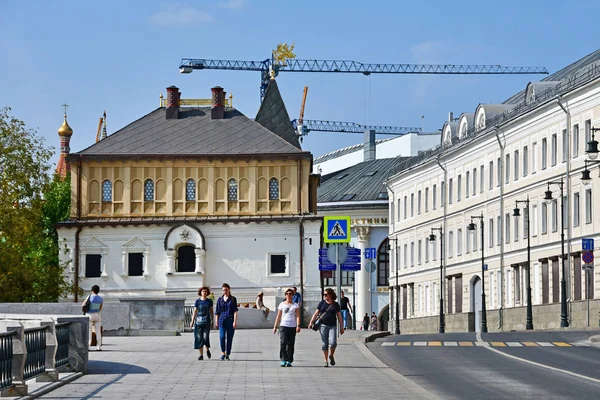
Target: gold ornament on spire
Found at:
x=65, y=129
x=282, y=53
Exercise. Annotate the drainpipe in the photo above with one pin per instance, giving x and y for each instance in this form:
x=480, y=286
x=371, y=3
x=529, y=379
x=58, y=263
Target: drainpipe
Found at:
x=301, y=248
x=501, y=238
x=567, y=201
x=443, y=256
x=78, y=230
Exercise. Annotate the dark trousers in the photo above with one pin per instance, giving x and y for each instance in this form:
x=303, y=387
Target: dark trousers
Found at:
x=287, y=340
x=201, y=336
x=226, y=329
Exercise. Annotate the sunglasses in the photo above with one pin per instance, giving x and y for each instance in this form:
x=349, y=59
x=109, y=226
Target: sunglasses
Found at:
x=325, y=294
x=289, y=294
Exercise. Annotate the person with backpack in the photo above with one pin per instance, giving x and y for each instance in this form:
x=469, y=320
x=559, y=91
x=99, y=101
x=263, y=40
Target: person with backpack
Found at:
x=93, y=303
x=226, y=321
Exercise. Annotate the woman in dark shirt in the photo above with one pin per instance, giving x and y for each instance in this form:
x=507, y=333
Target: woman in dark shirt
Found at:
x=331, y=311
x=226, y=322
x=203, y=315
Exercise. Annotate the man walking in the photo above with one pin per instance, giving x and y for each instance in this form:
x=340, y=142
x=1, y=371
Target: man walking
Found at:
x=345, y=306
x=93, y=312
x=297, y=297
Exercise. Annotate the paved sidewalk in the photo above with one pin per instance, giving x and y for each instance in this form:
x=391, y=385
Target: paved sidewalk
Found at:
x=167, y=368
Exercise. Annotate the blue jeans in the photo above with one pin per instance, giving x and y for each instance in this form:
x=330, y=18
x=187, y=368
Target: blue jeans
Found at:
x=226, y=329
x=328, y=336
x=345, y=317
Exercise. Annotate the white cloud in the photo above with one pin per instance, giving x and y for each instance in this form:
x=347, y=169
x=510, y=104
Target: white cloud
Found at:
x=180, y=16
x=232, y=4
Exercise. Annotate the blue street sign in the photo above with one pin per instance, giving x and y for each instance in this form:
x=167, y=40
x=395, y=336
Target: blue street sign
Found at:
x=353, y=252
x=327, y=267
x=352, y=260
x=587, y=256
x=370, y=253
x=485, y=267
x=350, y=267
x=323, y=252
x=587, y=244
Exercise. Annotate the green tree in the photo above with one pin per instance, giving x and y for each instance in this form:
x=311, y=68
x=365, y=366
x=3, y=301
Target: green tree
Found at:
x=31, y=201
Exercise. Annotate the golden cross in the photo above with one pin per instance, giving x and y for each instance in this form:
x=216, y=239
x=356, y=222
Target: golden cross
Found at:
x=65, y=106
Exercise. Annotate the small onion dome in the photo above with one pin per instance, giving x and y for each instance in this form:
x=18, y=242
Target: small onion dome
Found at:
x=65, y=129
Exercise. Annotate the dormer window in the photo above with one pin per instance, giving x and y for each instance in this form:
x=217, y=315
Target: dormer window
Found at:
x=481, y=122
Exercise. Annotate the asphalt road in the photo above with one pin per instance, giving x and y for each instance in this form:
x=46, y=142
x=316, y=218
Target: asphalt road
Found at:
x=456, y=366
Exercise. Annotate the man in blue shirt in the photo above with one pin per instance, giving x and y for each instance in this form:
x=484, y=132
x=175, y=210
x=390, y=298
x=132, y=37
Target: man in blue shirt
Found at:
x=93, y=312
x=297, y=297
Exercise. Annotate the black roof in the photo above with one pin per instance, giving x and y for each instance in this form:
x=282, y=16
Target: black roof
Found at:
x=195, y=133
x=360, y=182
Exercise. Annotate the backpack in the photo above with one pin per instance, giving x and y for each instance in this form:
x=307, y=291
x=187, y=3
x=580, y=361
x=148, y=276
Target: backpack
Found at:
x=86, y=306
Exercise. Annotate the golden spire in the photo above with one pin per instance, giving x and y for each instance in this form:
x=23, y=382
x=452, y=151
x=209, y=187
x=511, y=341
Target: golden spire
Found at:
x=65, y=129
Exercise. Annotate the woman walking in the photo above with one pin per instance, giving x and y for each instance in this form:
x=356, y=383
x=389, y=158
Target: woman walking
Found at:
x=288, y=313
x=329, y=310
x=373, y=321
x=226, y=320
x=201, y=320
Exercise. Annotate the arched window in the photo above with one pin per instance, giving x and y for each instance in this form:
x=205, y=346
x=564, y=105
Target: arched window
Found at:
x=383, y=264
x=190, y=190
x=148, y=190
x=481, y=122
x=106, y=191
x=273, y=189
x=232, y=190
x=186, y=259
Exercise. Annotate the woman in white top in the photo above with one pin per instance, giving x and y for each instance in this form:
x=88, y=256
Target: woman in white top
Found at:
x=288, y=313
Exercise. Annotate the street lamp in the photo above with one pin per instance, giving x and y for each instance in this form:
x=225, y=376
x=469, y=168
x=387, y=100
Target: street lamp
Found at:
x=517, y=213
x=564, y=314
x=585, y=174
x=432, y=240
x=397, y=330
x=471, y=227
x=592, y=146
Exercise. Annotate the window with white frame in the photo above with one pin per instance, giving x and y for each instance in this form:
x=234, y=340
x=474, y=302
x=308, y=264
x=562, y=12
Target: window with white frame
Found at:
x=278, y=263
x=442, y=193
x=398, y=208
x=405, y=258
x=507, y=169
x=588, y=206
x=434, y=248
x=565, y=145
x=499, y=230
x=564, y=212
x=419, y=202
x=490, y=233
x=499, y=171
x=516, y=229
x=458, y=242
x=468, y=241
x=419, y=251
x=525, y=161
x=588, y=130
x=525, y=227
x=426, y=199
x=434, y=196
x=405, y=207
x=426, y=249
x=544, y=153
x=392, y=210
x=553, y=150
x=474, y=237
x=412, y=254
x=544, y=218
x=459, y=188
x=507, y=228
x=516, y=162
x=534, y=157
x=474, y=181
x=576, y=209
x=450, y=187
x=412, y=204
x=554, y=215
x=575, y=141
x=450, y=246
x=468, y=184
x=481, y=179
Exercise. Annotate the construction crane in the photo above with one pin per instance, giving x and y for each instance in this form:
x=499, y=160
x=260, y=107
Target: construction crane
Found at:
x=299, y=126
x=350, y=127
x=283, y=60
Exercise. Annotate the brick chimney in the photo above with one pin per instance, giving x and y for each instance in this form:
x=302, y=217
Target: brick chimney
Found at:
x=173, y=95
x=218, y=103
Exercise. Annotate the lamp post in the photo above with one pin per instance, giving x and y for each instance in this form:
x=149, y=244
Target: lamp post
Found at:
x=564, y=314
x=442, y=328
x=471, y=227
x=397, y=297
x=592, y=146
x=517, y=213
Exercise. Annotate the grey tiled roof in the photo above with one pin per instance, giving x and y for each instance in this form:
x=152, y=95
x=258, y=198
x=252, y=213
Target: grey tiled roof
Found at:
x=194, y=133
x=346, y=150
x=364, y=181
x=273, y=115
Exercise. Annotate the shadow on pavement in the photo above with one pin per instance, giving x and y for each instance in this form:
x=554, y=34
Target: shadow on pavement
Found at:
x=108, y=367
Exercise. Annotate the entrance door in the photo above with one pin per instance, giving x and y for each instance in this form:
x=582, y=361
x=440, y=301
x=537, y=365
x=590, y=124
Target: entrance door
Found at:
x=476, y=302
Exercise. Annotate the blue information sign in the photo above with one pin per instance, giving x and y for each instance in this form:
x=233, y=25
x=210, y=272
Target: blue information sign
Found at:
x=587, y=244
x=370, y=253
x=350, y=266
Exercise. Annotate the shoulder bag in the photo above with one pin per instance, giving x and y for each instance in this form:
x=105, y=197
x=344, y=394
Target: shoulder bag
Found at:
x=317, y=322
x=86, y=306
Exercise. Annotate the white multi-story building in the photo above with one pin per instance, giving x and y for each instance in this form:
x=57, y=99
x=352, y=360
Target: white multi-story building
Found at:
x=489, y=160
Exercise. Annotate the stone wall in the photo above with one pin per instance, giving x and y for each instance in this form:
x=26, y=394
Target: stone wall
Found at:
x=464, y=322
x=151, y=314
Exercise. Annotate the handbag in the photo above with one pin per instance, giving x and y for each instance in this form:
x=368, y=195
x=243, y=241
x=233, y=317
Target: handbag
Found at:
x=317, y=323
x=86, y=306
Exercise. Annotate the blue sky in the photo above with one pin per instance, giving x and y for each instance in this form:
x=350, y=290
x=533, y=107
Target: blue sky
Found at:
x=119, y=56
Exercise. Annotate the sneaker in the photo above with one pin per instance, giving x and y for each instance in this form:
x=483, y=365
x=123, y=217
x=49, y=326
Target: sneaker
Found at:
x=227, y=358
x=208, y=353
x=325, y=364
x=98, y=349
x=201, y=358
x=284, y=364
x=332, y=360
x=289, y=364
x=223, y=357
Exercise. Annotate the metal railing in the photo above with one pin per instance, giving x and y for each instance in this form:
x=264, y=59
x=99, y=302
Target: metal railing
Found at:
x=62, y=339
x=188, y=313
x=574, y=80
x=6, y=357
x=35, y=343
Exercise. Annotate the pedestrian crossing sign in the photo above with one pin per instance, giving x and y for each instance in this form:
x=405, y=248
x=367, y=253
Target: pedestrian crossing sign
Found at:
x=336, y=229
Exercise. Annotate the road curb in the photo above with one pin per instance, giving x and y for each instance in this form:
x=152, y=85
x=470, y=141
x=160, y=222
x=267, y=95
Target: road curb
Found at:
x=48, y=388
x=595, y=339
x=378, y=335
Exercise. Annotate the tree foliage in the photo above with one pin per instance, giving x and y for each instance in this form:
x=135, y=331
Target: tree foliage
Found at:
x=31, y=201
